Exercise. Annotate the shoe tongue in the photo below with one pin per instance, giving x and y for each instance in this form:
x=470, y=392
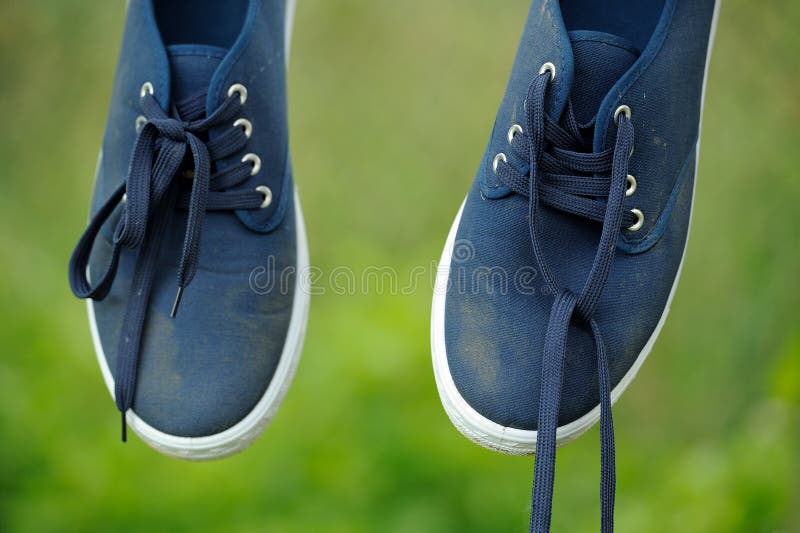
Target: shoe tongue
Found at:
x=600, y=61
x=192, y=67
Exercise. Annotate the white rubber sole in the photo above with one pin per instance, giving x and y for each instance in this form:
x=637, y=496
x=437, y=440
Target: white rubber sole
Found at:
x=470, y=422
x=288, y=25
x=243, y=433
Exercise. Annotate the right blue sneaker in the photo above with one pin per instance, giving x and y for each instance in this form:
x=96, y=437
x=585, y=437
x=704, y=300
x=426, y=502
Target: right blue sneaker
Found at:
x=560, y=267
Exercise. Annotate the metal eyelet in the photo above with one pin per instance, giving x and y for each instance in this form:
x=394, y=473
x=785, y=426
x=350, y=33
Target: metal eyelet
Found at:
x=267, y=192
x=631, y=186
x=141, y=120
x=124, y=198
x=623, y=109
x=255, y=161
x=549, y=67
x=639, y=220
x=147, y=88
x=515, y=130
x=499, y=157
x=246, y=124
x=238, y=88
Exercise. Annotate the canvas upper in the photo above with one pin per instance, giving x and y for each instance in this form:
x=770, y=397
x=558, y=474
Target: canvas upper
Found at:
x=494, y=337
x=567, y=250
x=203, y=370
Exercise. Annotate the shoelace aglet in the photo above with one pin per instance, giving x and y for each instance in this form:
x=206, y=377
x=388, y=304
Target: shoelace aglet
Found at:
x=177, y=303
x=124, y=428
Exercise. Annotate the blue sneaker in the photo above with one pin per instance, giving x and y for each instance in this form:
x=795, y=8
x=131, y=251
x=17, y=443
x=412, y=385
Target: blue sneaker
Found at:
x=561, y=265
x=193, y=200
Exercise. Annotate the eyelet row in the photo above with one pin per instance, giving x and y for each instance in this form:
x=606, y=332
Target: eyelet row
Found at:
x=141, y=120
x=516, y=129
x=632, y=183
x=237, y=88
x=513, y=131
x=253, y=159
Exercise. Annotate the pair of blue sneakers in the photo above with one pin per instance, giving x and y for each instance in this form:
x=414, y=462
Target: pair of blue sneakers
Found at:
x=575, y=228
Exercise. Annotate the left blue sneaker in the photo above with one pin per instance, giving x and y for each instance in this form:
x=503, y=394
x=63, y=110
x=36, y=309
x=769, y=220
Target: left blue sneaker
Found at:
x=560, y=267
x=193, y=259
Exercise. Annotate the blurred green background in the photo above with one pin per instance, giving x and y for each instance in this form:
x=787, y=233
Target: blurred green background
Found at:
x=395, y=100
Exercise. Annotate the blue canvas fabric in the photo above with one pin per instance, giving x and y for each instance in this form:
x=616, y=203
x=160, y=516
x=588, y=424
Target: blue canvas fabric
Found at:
x=527, y=356
x=191, y=68
x=600, y=60
x=633, y=21
x=201, y=371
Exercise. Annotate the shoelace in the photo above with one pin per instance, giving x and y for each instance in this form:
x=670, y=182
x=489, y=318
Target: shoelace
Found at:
x=554, y=164
x=157, y=183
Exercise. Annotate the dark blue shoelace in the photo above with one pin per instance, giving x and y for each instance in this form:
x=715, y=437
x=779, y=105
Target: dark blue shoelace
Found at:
x=160, y=179
x=554, y=164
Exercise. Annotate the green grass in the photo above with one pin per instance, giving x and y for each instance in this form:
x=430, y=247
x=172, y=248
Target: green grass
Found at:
x=391, y=105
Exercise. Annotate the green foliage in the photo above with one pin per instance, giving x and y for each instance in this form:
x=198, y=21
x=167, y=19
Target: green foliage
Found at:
x=391, y=105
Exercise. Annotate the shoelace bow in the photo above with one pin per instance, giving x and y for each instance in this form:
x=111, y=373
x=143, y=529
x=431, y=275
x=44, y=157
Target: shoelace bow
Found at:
x=554, y=164
x=158, y=182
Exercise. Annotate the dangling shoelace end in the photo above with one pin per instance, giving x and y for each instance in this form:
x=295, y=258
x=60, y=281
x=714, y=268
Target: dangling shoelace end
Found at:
x=553, y=164
x=177, y=302
x=124, y=428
